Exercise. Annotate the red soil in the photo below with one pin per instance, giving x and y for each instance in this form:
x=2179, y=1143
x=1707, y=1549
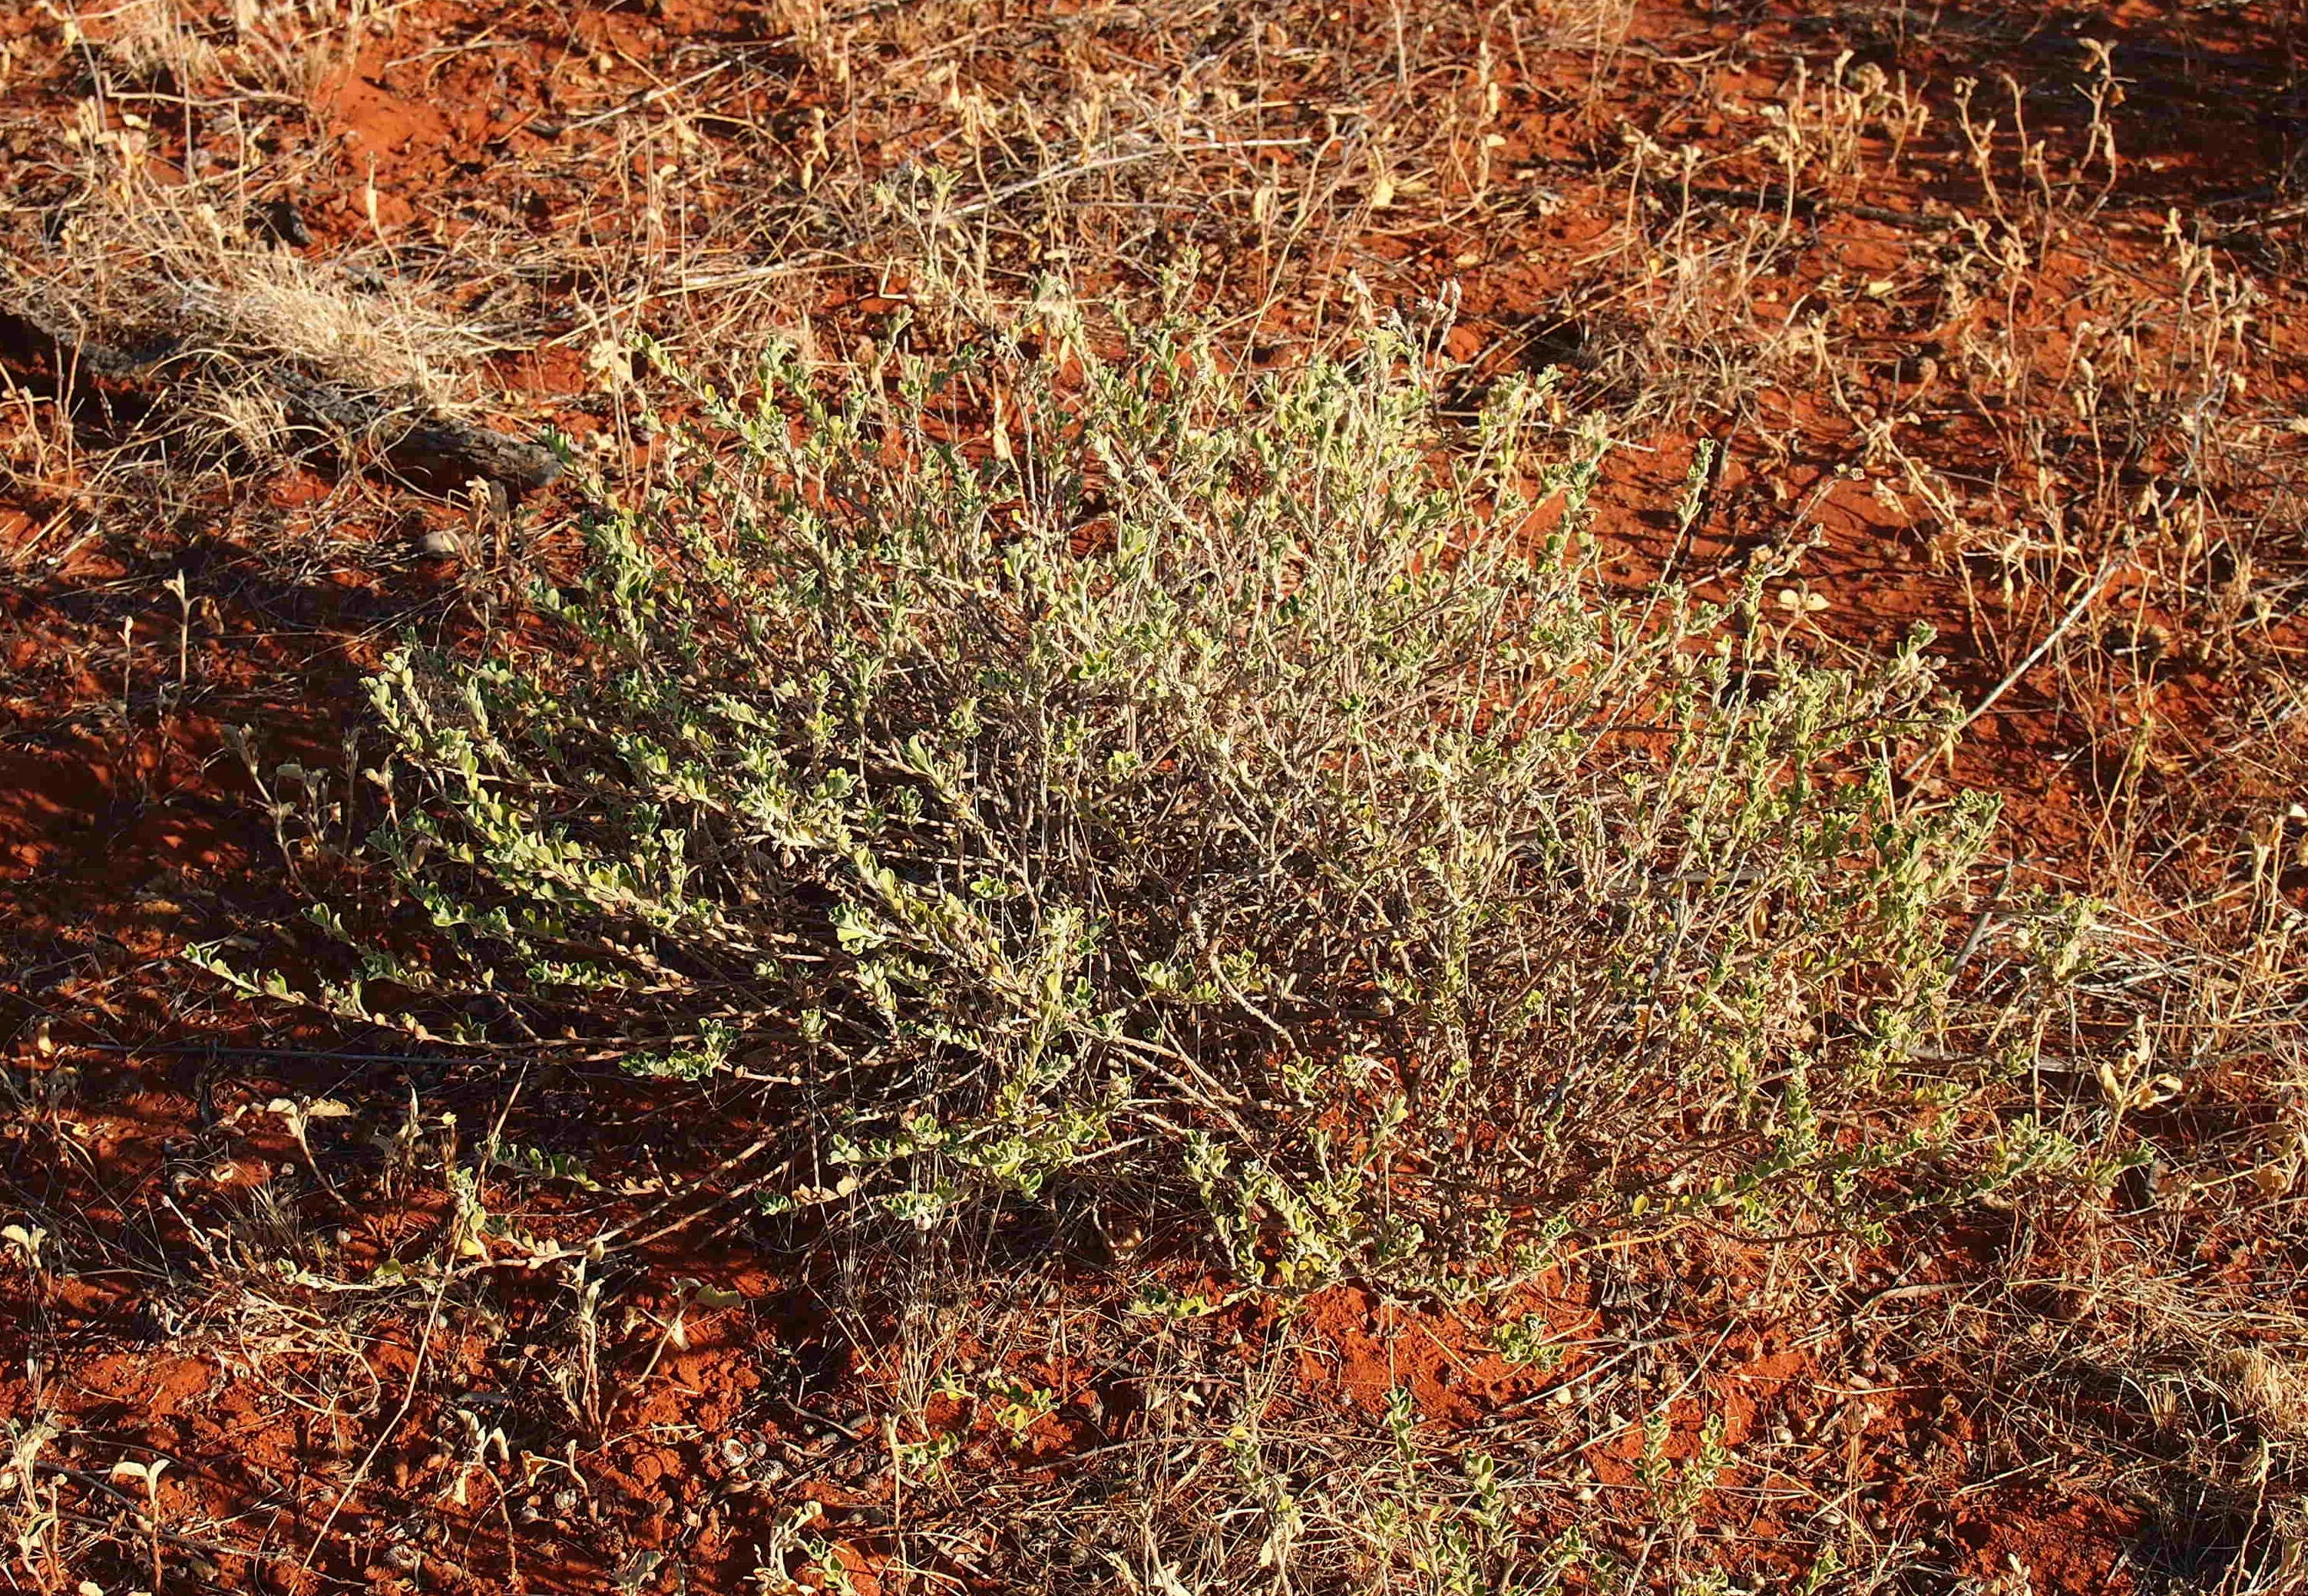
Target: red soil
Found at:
x=122, y=839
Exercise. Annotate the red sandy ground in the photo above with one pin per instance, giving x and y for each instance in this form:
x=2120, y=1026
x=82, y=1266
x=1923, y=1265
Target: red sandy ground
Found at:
x=118, y=843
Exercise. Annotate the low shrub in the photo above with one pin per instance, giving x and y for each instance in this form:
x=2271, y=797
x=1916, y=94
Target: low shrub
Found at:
x=1114, y=770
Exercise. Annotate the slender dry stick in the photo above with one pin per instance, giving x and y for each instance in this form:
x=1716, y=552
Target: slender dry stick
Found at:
x=2075, y=613
x=461, y=1216
x=152, y=1497
x=407, y=1394
x=177, y=585
x=1087, y=168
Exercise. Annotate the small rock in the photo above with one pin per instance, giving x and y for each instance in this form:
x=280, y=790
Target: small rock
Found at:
x=281, y=219
x=2145, y=1185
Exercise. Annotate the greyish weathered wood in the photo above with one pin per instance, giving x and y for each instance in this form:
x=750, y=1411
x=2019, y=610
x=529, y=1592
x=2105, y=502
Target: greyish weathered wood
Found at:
x=433, y=450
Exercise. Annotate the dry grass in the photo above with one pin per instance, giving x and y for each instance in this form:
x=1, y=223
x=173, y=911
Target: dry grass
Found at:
x=2031, y=384
x=220, y=315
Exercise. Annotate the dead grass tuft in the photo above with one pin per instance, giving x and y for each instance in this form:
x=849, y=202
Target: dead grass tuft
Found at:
x=2270, y=1387
x=183, y=292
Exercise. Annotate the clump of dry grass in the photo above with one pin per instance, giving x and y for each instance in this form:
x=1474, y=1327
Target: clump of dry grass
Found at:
x=2270, y=1387
x=152, y=42
x=266, y=50
x=182, y=290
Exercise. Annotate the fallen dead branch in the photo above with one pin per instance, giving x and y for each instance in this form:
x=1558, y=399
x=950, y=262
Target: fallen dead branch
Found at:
x=432, y=450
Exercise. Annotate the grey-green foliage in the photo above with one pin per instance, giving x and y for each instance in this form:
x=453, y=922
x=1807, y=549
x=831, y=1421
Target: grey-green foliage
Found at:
x=1226, y=783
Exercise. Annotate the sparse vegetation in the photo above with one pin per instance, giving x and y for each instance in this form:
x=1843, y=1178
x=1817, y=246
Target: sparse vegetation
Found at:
x=1288, y=799
x=1194, y=788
